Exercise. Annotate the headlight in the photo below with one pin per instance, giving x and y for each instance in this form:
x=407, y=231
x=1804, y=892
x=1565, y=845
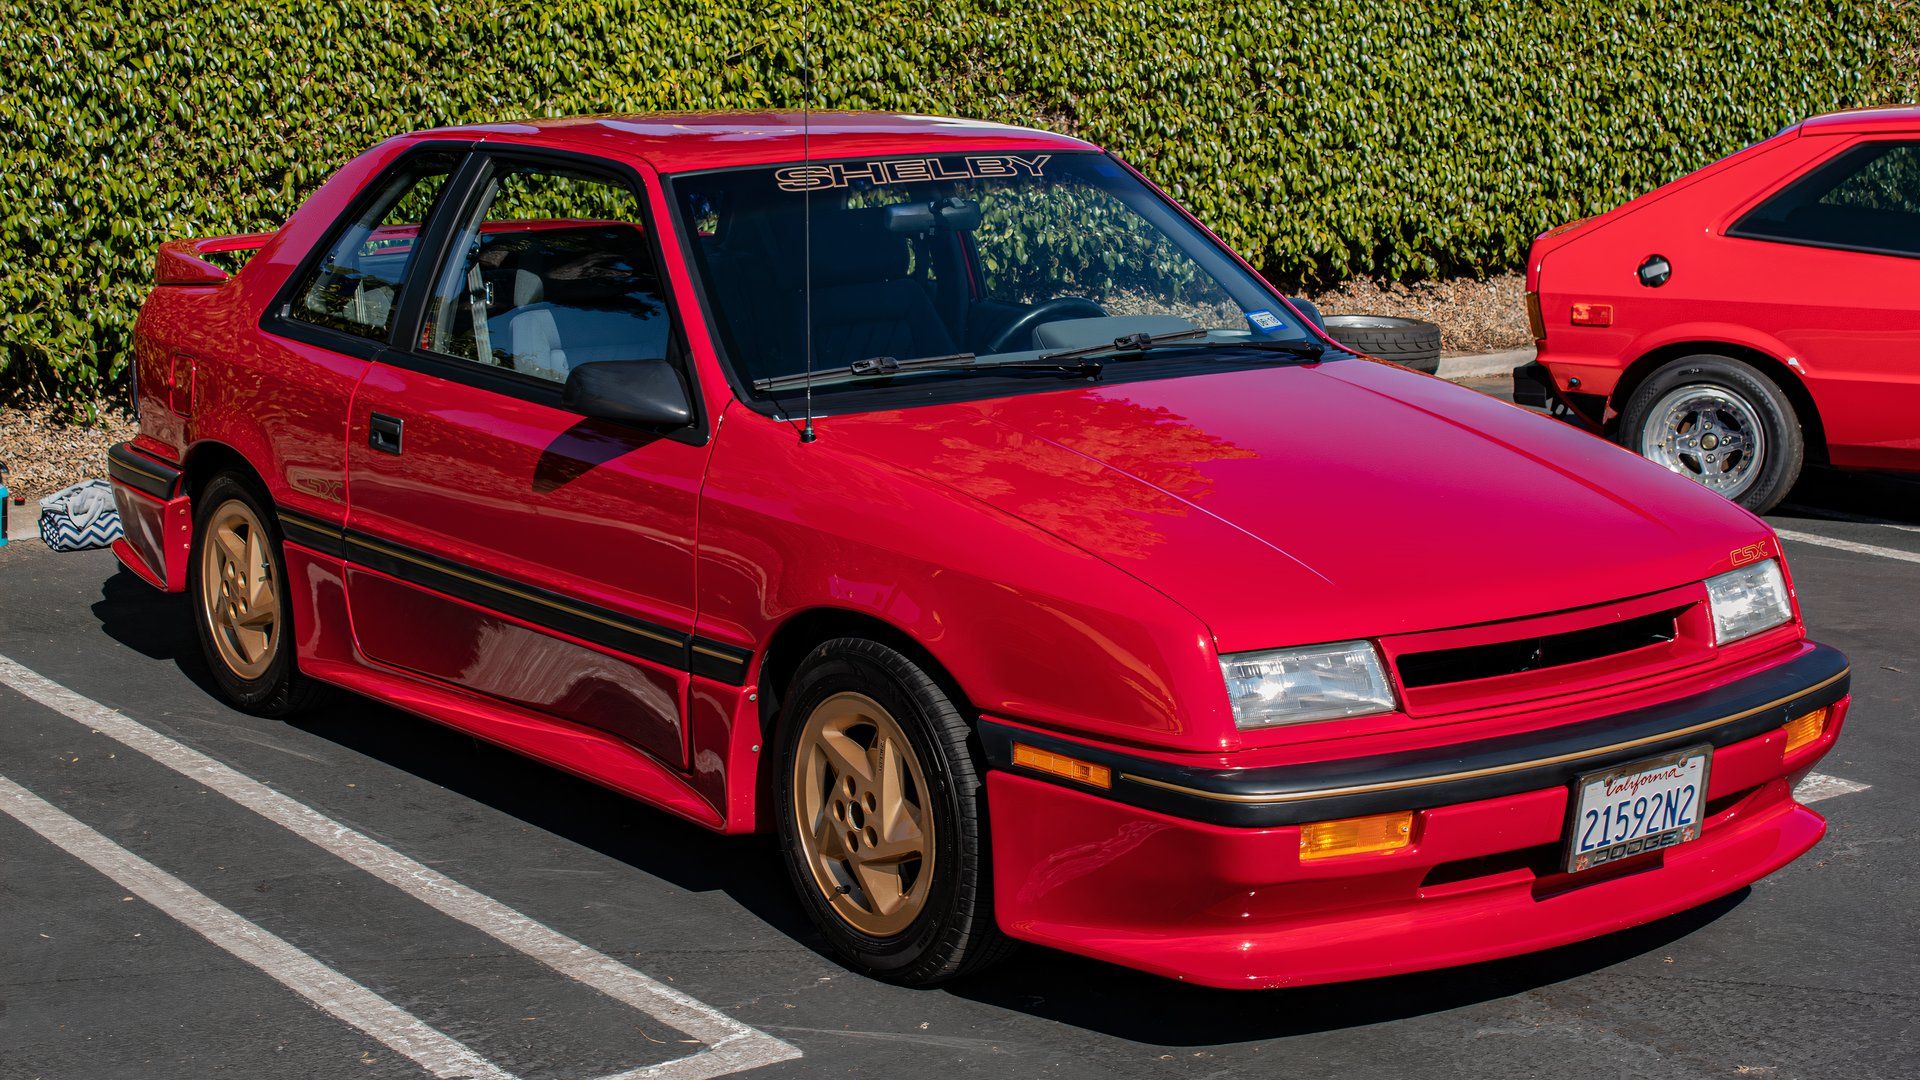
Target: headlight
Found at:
x=1747, y=601
x=1294, y=686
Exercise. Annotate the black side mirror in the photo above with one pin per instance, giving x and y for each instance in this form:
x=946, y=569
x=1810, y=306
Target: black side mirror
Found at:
x=648, y=393
x=1309, y=309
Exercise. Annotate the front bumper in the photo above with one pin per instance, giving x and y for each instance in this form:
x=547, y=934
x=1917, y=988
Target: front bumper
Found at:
x=1195, y=874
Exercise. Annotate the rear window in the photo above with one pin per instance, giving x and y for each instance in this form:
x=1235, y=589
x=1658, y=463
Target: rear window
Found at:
x=1865, y=199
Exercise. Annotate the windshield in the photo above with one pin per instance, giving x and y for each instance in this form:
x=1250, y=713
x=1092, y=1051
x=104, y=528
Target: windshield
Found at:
x=976, y=259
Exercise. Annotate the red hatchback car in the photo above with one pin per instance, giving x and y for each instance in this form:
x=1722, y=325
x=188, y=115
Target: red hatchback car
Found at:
x=942, y=497
x=1754, y=315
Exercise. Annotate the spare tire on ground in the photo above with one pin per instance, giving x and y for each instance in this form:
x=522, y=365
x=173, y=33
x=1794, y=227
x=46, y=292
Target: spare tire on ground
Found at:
x=1412, y=342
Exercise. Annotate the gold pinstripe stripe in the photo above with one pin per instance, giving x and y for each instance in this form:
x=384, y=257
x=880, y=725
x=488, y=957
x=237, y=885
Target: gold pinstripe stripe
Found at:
x=311, y=524
x=1472, y=774
x=718, y=655
x=511, y=591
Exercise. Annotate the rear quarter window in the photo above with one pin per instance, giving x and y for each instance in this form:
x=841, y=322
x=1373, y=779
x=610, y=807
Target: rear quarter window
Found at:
x=1866, y=198
x=355, y=284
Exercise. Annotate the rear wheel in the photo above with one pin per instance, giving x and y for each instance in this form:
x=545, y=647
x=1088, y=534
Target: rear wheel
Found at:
x=1721, y=423
x=238, y=584
x=883, y=817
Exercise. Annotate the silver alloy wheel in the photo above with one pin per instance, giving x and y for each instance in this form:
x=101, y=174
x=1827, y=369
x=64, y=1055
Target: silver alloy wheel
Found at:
x=1708, y=434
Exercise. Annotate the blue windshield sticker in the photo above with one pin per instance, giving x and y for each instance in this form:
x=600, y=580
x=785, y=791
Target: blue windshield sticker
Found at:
x=1265, y=321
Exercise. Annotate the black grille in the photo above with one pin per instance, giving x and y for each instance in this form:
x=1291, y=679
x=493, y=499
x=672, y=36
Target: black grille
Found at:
x=1535, y=653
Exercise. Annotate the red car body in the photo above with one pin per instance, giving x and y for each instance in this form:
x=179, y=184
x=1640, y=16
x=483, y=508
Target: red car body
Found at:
x=1832, y=323
x=1075, y=561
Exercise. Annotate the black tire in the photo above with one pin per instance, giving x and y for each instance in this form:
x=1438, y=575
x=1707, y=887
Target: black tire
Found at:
x=280, y=690
x=1784, y=449
x=1413, y=343
x=954, y=933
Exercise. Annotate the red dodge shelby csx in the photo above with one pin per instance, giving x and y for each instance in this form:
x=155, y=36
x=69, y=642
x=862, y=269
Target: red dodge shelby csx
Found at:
x=945, y=499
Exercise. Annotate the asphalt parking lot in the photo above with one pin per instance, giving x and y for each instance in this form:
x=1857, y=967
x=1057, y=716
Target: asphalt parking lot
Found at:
x=187, y=891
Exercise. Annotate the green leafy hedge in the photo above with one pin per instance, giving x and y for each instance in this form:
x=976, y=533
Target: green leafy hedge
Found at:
x=1324, y=140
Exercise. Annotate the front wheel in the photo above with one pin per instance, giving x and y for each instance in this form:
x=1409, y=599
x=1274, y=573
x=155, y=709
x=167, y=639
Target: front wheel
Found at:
x=1721, y=423
x=883, y=818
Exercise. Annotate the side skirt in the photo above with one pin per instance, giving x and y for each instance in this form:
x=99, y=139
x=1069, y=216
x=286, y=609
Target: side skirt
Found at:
x=582, y=751
x=326, y=652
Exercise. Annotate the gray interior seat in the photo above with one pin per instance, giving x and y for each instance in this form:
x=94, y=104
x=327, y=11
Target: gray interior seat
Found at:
x=584, y=310
x=864, y=304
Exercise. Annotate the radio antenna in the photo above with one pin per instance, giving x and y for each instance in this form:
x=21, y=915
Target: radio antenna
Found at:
x=806, y=206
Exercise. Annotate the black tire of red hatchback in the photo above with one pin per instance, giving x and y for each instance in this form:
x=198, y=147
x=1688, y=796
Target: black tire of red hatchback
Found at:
x=1412, y=343
x=1720, y=422
x=237, y=585
x=881, y=805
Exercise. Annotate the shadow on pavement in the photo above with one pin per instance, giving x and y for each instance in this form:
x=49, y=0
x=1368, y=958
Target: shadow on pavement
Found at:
x=152, y=623
x=1146, y=1009
x=1824, y=492
x=1118, y=1002
x=159, y=626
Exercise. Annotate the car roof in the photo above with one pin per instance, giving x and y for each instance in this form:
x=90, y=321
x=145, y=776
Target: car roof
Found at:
x=684, y=142
x=1878, y=118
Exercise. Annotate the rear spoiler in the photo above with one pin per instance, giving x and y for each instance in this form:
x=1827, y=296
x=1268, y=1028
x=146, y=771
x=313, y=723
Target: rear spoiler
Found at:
x=183, y=262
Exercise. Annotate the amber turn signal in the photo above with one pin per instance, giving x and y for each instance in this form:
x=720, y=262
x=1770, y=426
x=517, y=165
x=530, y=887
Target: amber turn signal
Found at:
x=1536, y=322
x=1355, y=836
x=1802, y=730
x=1046, y=761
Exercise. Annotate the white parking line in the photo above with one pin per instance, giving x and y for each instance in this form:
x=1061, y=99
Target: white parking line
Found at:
x=1817, y=786
x=1849, y=545
x=729, y=1046
x=333, y=992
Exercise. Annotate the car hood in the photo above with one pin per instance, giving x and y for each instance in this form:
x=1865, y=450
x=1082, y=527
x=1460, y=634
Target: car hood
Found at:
x=1297, y=504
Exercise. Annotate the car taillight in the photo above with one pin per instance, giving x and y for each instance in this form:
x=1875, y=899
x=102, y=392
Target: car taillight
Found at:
x=1592, y=314
x=1536, y=322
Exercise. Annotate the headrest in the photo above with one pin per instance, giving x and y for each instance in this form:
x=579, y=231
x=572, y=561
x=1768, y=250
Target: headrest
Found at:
x=855, y=247
x=527, y=288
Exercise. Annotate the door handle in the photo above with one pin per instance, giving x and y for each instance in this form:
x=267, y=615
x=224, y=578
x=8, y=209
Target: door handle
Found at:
x=383, y=433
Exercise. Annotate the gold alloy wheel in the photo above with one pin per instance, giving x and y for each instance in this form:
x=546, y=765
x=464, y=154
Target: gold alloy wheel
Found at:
x=863, y=814
x=239, y=589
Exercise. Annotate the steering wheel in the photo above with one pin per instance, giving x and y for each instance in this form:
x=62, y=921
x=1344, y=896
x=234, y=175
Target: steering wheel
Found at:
x=1053, y=310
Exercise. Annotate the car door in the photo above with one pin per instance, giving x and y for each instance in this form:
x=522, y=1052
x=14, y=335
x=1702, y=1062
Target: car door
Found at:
x=1830, y=261
x=499, y=541
x=332, y=314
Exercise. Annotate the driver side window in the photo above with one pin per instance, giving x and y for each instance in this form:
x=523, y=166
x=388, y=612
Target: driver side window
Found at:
x=552, y=270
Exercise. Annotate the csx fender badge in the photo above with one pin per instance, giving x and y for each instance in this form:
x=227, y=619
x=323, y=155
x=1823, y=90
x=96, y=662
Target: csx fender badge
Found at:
x=840, y=174
x=1745, y=555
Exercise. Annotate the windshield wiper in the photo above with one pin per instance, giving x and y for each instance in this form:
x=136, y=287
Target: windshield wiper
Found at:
x=884, y=367
x=1131, y=343
x=1184, y=339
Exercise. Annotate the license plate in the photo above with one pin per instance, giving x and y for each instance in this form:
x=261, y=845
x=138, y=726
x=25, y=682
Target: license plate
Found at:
x=1643, y=806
